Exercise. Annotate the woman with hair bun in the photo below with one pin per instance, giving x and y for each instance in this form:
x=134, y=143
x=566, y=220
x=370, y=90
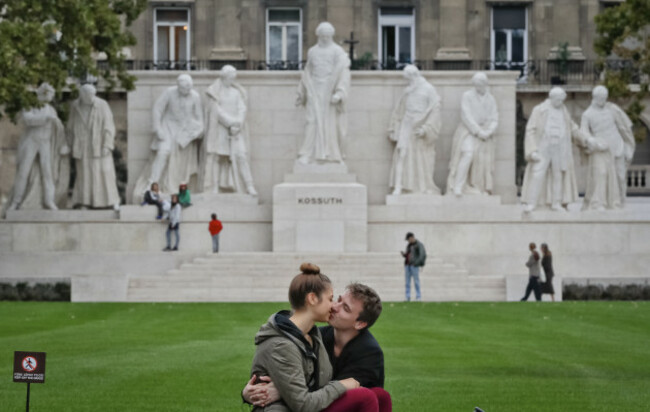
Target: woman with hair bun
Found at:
x=291, y=353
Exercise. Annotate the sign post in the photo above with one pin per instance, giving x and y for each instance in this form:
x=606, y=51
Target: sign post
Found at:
x=29, y=367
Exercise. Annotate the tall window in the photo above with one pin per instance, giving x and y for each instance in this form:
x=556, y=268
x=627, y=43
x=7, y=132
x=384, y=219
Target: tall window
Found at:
x=509, y=43
x=171, y=35
x=283, y=38
x=396, y=36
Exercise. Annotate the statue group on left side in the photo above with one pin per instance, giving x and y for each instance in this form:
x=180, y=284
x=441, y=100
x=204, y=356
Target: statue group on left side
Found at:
x=179, y=121
x=88, y=136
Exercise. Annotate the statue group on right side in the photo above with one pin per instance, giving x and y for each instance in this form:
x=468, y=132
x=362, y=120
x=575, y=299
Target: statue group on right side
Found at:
x=604, y=137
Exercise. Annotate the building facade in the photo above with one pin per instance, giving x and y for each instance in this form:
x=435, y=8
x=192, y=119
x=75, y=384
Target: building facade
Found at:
x=437, y=33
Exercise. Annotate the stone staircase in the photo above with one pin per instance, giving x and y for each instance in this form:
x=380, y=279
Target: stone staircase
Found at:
x=265, y=276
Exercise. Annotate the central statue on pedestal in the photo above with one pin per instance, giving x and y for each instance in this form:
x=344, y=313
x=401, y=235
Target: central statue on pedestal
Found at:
x=323, y=90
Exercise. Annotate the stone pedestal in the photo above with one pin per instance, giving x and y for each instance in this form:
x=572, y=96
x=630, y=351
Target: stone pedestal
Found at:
x=320, y=209
x=439, y=200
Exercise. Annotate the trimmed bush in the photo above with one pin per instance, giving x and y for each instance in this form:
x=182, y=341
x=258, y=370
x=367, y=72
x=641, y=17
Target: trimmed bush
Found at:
x=42, y=292
x=573, y=291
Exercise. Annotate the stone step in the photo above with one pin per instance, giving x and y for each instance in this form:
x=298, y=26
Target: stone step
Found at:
x=279, y=295
x=247, y=277
x=326, y=269
x=369, y=276
x=190, y=280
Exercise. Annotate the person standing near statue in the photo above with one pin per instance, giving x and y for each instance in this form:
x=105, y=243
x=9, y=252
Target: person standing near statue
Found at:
x=91, y=130
x=215, y=228
x=323, y=90
x=550, y=176
x=471, y=167
x=533, y=274
x=43, y=137
x=174, y=224
x=610, y=152
x=414, y=127
x=414, y=258
x=177, y=124
x=547, y=265
x=224, y=159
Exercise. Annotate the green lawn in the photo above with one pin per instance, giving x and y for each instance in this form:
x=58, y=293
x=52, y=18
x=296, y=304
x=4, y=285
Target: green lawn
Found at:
x=586, y=356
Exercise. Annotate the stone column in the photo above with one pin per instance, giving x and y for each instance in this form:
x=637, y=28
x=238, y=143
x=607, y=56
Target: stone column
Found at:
x=453, y=36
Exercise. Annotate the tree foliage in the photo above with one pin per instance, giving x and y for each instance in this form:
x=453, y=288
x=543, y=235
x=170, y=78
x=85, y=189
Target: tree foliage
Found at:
x=624, y=31
x=55, y=41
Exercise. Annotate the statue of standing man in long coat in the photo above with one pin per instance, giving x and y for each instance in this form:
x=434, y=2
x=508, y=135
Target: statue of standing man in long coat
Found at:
x=224, y=156
x=610, y=149
x=471, y=168
x=414, y=127
x=92, y=132
x=323, y=90
x=177, y=126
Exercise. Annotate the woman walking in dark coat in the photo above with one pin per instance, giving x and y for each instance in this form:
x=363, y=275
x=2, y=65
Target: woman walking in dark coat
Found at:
x=547, y=265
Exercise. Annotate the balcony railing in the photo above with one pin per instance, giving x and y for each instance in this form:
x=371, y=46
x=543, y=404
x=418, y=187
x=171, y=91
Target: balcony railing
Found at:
x=531, y=72
x=637, y=179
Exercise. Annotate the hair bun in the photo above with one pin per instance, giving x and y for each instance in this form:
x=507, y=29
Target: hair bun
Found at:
x=309, y=269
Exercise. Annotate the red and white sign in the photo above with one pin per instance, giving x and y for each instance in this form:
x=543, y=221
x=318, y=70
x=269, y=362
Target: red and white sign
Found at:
x=29, y=367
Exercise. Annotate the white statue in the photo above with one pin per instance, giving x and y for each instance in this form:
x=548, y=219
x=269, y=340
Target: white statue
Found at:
x=43, y=182
x=91, y=131
x=224, y=160
x=323, y=90
x=550, y=175
x=471, y=167
x=415, y=126
x=177, y=124
x=610, y=150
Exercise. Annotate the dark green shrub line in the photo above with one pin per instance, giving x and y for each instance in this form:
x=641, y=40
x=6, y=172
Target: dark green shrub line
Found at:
x=43, y=292
x=573, y=291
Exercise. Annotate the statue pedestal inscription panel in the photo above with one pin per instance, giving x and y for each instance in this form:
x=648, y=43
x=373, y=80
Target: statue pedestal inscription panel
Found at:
x=310, y=215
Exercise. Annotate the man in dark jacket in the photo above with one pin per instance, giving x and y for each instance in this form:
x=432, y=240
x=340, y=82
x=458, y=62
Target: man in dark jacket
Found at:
x=351, y=348
x=414, y=258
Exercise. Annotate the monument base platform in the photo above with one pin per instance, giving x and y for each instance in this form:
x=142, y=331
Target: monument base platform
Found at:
x=320, y=217
x=440, y=200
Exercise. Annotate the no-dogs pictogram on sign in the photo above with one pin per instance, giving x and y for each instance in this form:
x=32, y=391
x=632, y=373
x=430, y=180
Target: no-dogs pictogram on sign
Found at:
x=29, y=367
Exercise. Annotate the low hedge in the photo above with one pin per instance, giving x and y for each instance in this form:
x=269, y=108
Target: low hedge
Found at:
x=574, y=291
x=44, y=292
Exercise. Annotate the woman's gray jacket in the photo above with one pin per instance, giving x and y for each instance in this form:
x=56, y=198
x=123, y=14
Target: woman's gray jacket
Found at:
x=285, y=356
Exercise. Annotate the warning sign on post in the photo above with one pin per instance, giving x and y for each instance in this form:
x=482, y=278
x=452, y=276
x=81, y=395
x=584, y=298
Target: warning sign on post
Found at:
x=29, y=367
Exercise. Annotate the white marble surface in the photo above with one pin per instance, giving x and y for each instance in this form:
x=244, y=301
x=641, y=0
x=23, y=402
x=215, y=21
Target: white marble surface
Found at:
x=277, y=126
x=325, y=217
x=99, y=288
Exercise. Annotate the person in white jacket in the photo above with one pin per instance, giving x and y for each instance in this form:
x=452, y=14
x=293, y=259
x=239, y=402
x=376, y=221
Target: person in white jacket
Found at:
x=174, y=224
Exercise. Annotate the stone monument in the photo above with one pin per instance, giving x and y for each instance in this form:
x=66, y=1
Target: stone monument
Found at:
x=323, y=91
x=414, y=127
x=91, y=131
x=321, y=207
x=471, y=166
x=224, y=155
x=43, y=182
x=177, y=124
x=610, y=150
x=550, y=176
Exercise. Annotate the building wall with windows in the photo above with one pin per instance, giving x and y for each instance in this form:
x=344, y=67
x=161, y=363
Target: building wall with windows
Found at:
x=404, y=30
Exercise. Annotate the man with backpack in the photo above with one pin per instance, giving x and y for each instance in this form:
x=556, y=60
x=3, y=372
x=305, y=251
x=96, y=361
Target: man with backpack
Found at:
x=414, y=258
